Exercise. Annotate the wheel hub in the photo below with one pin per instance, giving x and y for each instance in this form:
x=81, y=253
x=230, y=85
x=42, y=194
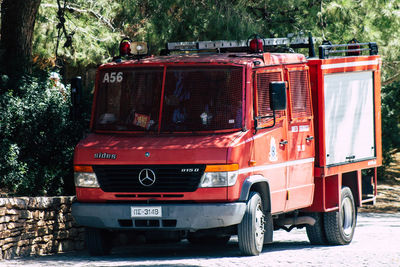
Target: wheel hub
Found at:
x=259, y=225
x=347, y=215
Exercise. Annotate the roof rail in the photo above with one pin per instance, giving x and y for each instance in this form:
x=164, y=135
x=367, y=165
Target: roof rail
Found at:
x=351, y=49
x=238, y=46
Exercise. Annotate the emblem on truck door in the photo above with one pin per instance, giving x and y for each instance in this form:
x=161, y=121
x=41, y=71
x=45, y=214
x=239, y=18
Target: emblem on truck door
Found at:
x=147, y=177
x=273, y=154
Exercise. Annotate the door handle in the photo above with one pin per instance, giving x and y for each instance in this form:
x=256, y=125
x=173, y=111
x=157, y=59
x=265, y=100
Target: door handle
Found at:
x=283, y=142
x=309, y=138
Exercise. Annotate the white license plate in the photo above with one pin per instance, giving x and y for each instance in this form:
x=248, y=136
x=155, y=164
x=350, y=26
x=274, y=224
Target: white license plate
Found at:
x=146, y=212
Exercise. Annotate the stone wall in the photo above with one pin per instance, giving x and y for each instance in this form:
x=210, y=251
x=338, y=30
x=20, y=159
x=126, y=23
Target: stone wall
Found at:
x=38, y=226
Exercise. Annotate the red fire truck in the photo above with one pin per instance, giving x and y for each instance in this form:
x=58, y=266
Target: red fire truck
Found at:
x=220, y=138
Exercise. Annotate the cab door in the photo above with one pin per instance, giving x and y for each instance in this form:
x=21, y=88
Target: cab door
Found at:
x=300, y=187
x=270, y=151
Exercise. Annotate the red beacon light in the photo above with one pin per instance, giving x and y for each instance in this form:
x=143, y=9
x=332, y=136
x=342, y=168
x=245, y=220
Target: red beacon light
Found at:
x=256, y=44
x=125, y=47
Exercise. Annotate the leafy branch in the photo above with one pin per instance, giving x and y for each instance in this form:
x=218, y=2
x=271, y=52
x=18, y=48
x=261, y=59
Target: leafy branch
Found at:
x=93, y=13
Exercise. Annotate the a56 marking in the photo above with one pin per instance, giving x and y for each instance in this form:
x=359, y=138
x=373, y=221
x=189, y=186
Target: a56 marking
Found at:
x=113, y=77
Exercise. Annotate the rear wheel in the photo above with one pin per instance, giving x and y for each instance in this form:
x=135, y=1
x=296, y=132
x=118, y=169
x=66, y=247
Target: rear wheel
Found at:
x=316, y=233
x=98, y=241
x=251, y=229
x=340, y=225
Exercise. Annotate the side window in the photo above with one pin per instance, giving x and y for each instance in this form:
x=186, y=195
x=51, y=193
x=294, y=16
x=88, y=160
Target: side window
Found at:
x=263, y=101
x=300, y=101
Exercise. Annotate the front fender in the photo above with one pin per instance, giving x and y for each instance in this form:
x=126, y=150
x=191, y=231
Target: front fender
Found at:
x=259, y=184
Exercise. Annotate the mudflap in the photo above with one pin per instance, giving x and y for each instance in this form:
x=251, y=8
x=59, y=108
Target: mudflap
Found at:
x=269, y=228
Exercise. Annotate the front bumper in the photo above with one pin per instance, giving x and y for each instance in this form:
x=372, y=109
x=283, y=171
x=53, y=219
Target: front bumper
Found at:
x=174, y=216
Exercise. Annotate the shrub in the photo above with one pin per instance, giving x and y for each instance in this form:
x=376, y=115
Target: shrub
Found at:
x=390, y=121
x=37, y=139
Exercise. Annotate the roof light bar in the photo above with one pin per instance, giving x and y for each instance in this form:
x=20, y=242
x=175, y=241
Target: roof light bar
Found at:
x=182, y=46
x=221, y=44
x=200, y=45
x=207, y=45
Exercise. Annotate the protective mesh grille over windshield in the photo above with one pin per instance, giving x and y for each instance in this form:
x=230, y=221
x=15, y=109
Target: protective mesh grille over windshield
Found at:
x=129, y=99
x=202, y=98
x=195, y=99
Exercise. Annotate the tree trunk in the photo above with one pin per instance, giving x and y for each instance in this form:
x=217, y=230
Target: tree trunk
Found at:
x=17, y=24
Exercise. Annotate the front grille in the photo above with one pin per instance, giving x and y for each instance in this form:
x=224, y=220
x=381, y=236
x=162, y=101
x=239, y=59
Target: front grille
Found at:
x=147, y=223
x=169, y=178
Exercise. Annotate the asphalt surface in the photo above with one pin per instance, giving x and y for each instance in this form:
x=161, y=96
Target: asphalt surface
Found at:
x=376, y=242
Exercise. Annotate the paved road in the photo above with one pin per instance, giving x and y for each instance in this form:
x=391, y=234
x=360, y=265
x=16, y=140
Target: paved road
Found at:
x=376, y=243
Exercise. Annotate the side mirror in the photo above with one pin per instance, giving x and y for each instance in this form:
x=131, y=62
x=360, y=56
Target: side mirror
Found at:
x=277, y=95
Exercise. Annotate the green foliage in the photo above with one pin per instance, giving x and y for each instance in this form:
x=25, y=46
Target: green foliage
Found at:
x=37, y=139
x=188, y=20
x=390, y=121
x=94, y=37
x=99, y=25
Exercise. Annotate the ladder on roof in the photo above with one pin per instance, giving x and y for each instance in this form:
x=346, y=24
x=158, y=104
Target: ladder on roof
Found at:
x=242, y=45
x=352, y=49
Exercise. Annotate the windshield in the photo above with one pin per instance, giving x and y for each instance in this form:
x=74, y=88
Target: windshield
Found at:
x=195, y=99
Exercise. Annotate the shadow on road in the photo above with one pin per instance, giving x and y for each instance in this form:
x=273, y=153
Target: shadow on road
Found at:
x=185, y=254
x=132, y=255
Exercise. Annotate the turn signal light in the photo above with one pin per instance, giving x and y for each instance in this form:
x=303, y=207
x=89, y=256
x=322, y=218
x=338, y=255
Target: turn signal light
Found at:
x=222, y=168
x=84, y=168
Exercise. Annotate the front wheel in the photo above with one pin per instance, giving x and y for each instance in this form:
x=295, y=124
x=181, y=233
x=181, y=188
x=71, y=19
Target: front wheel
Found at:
x=340, y=225
x=251, y=229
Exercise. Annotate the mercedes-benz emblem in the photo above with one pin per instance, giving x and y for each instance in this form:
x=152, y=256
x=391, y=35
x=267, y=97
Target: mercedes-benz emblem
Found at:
x=147, y=177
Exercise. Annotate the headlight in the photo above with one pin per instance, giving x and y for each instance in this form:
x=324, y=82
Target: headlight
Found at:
x=85, y=177
x=219, y=175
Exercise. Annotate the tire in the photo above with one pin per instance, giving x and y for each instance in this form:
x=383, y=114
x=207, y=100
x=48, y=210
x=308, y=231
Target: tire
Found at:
x=98, y=242
x=251, y=229
x=210, y=240
x=316, y=233
x=340, y=225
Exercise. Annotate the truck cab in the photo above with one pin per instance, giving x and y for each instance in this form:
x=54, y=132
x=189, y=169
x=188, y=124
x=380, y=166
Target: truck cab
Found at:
x=208, y=145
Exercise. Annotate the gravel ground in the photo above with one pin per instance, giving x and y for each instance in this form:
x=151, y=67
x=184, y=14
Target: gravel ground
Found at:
x=375, y=243
x=387, y=200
